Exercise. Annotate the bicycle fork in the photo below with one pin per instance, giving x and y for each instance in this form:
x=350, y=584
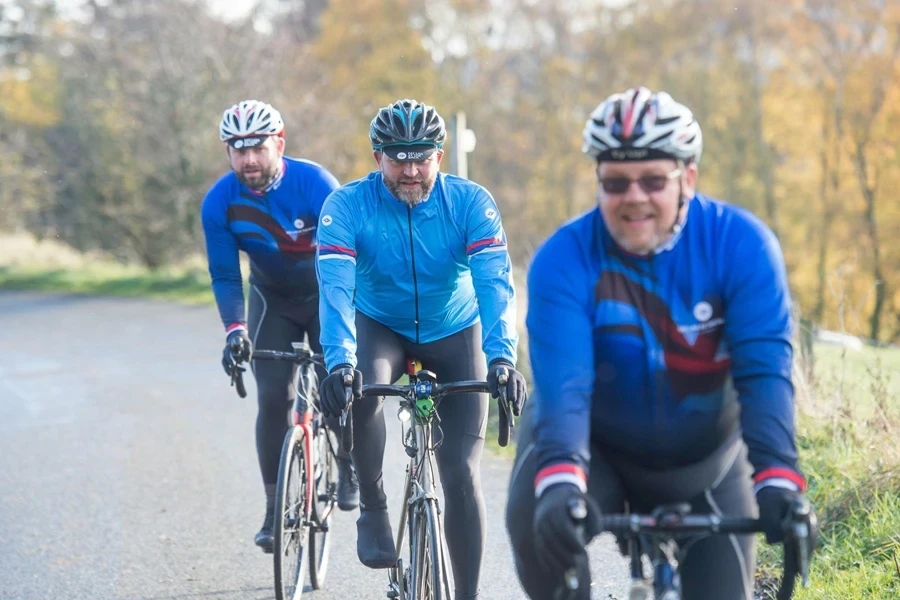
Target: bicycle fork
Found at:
x=419, y=489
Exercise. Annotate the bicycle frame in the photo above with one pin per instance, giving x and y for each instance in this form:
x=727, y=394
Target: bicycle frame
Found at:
x=302, y=407
x=420, y=480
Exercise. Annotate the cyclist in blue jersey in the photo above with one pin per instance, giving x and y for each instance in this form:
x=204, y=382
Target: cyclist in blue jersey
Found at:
x=659, y=329
x=413, y=263
x=268, y=206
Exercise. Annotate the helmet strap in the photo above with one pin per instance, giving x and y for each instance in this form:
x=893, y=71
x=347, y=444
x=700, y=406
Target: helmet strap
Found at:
x=676, y=225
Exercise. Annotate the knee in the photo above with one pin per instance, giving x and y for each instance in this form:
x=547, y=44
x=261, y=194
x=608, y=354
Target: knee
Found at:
x=461, y=479
x=365, y=411
x=273, y=395
x=272, y=405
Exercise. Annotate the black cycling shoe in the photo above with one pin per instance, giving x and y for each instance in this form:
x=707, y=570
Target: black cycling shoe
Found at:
x=375, y=541
x=265, y=539
x=348, y=485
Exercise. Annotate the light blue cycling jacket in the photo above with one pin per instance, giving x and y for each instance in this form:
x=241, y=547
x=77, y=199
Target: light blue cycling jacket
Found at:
x=426, y=271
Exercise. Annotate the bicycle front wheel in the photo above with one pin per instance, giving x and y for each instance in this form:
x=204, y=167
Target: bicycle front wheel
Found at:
x=324, y=500
x=292, y=517
x=428, y=576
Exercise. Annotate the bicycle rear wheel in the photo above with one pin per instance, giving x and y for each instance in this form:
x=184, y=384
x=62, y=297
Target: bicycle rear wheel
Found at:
x=428, y=580
x=324, y=501
x=292, y=517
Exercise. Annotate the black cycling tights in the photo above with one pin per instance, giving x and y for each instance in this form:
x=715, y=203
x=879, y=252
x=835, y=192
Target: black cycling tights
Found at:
x=381, y=357
x=275, y=322
x=715, y=568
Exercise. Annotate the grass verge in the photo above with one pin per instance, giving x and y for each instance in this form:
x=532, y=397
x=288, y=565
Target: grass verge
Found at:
x=188, y=285
x=850, y=452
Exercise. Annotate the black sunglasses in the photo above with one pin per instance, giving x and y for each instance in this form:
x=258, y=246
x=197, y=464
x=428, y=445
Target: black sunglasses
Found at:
x=648, y=183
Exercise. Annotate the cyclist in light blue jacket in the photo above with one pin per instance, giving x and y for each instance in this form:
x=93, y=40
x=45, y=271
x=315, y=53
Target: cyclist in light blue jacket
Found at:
x=413, y=263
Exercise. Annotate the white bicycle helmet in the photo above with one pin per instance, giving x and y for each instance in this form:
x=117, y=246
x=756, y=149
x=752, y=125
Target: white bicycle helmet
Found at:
x=641, y=125
x=247, y=123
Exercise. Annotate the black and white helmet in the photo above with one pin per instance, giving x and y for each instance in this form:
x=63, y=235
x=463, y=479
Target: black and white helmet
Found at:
x=641, y=125
x=407, y=123
x=247, y=123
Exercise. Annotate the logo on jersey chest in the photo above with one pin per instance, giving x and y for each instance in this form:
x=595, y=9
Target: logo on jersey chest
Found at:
x=703, y=311
x=709, y=319
x=301, y=228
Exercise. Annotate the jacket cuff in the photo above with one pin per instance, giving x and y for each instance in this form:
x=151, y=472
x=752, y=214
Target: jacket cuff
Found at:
x=779, y=477
x=560, y=473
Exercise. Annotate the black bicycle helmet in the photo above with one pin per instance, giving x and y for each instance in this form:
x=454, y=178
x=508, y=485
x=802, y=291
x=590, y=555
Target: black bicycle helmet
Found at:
x=407, y=123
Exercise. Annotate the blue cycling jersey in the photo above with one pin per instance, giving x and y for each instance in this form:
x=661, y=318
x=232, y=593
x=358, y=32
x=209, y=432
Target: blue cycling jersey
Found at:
x=662, y=358
x=275, y=227
x=418, y=270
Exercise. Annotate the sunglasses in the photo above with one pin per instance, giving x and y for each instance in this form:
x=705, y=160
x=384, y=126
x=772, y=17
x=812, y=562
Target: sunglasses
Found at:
x=648, y=183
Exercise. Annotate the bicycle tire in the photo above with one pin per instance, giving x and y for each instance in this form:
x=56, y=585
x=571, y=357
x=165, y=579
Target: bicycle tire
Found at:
x=292, y=517
x=428, y=577
x=324, y=502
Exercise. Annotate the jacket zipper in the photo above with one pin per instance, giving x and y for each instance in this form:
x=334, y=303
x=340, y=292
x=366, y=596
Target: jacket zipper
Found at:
x=412, y=254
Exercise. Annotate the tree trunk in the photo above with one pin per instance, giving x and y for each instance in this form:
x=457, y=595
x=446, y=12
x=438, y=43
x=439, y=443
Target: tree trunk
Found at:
x=833, y=177
x=869, y=196
x=765, y=165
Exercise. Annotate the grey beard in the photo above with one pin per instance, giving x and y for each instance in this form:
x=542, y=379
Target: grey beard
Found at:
x=410, y=197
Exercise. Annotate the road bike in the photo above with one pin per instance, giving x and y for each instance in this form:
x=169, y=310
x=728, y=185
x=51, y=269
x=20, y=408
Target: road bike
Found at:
x=306, y=492
x=426, y=575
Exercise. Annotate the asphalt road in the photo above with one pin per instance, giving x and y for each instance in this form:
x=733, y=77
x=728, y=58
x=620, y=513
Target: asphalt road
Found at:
x=128, y=465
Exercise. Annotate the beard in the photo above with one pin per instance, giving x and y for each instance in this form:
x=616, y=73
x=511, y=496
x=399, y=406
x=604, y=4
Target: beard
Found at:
x=261, y=180
x=411, y=196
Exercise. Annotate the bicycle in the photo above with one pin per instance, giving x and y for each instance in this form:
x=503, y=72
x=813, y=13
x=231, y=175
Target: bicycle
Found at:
x=654, y=536
x=426, y=576
x=306, y=492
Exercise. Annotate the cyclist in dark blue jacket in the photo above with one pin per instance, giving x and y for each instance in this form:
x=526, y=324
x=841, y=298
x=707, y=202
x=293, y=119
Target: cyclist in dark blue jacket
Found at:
x=659, y=328
x=268, y=206
x=413, y=264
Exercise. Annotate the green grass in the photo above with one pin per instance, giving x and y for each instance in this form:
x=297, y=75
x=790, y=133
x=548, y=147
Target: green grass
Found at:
x=188, y=285
x=850, y=451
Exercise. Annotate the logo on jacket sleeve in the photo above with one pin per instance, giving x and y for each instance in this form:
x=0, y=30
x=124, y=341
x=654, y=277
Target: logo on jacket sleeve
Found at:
x=490, y=213
x=326, y=220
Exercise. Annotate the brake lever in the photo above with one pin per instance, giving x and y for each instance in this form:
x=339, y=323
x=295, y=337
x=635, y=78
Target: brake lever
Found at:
x=348, y=391
x=237, y=380
x=802, y=516
x=502, y=380
x=578, y=513
x=801, y=534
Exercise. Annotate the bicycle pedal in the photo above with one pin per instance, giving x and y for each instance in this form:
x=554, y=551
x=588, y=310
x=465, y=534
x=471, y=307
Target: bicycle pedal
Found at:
x=393, y=591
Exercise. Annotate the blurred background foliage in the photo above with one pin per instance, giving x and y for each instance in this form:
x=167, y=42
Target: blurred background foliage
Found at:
x=109, y=112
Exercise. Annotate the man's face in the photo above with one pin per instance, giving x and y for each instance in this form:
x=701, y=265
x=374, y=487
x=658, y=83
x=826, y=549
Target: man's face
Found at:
x=409, y=181
x=256, y=167
x=639, y=200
